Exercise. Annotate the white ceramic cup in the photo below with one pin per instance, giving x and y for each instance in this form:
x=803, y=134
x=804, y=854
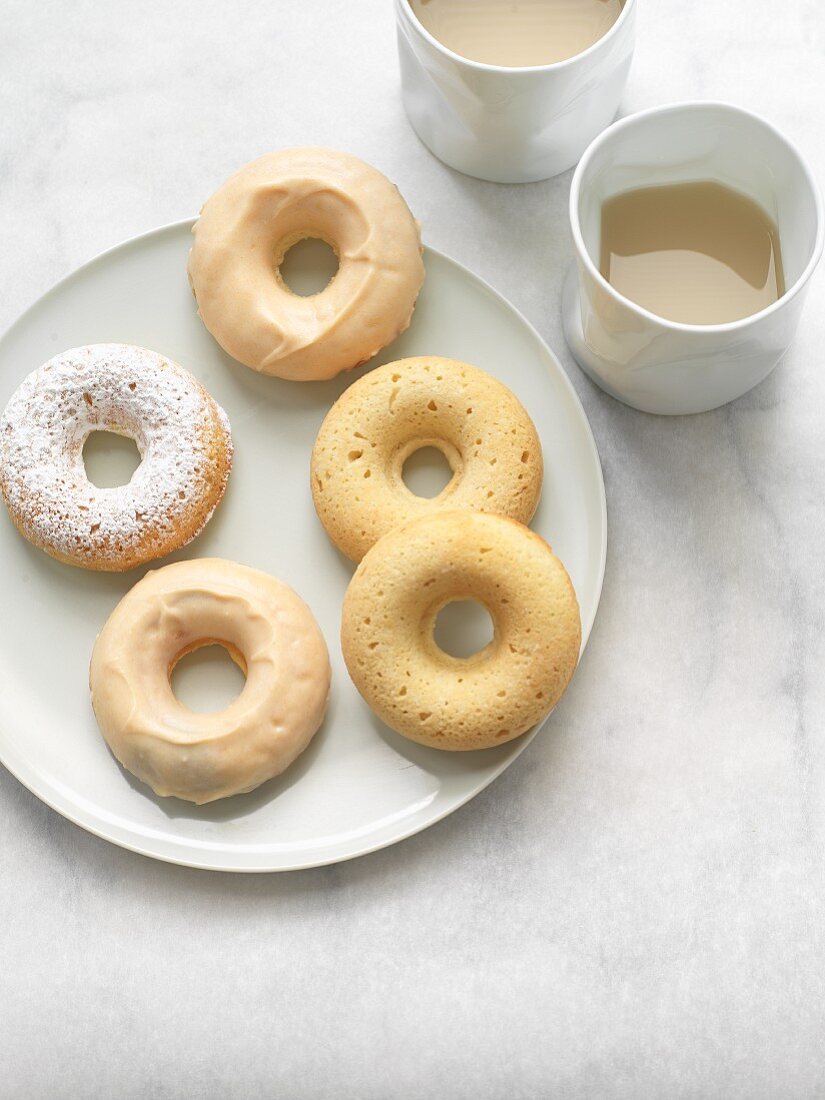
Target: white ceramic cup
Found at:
x=511, y=125
x=662, y=366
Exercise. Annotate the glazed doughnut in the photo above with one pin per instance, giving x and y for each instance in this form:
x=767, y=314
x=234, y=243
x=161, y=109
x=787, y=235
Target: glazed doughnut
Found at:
x=181, y=433
x=246, y=228
x=269, y=632
x=480, y=426
x=389, y=615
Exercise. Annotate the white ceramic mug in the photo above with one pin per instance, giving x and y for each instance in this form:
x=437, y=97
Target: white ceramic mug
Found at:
x=511, y=125
x=662, y=366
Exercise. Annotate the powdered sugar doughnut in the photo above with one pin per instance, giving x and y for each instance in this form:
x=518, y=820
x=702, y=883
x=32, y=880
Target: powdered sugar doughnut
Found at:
x=181, y=433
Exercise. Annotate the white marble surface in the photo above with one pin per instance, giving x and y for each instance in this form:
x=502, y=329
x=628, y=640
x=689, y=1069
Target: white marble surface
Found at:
x=636, y=908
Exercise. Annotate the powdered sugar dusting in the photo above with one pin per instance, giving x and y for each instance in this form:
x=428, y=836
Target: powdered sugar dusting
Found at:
x=138, y=393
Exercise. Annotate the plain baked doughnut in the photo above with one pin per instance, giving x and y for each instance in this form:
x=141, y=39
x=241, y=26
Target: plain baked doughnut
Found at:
x=248, y=225
x=268, y=631
x=478, y=424
x=181, y=433
x=389, y=615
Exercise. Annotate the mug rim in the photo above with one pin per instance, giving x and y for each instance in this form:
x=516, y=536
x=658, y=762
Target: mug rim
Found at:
x=687, y=106
x=404, y=8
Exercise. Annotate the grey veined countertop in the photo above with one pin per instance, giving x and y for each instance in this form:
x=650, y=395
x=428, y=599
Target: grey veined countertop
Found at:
x=635, y=909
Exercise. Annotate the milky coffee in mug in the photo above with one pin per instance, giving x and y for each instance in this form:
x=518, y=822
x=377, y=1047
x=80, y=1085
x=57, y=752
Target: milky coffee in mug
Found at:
x=517, y=33
x=695, y=252
x=709, y=197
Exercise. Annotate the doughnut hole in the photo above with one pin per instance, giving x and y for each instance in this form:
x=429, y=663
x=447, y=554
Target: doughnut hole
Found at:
x=307, y=266
x=208, y=676
x=110, y=459
x=463, y=628
x=426, y=471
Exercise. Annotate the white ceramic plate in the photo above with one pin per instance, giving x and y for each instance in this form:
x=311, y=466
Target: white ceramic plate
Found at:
x=359, y=786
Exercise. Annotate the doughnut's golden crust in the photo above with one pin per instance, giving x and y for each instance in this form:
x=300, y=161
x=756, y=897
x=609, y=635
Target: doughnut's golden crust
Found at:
x=268, y=631
x=249, y=224
x=389, y=615
x=480, y=426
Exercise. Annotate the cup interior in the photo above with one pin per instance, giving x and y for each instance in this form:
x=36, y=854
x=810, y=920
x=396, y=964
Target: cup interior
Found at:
x=700, y=142
x=404, y=10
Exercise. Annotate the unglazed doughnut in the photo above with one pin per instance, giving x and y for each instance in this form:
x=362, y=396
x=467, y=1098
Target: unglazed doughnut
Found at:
x=246, y=228
x=480, y=426
x=269, y=632
x=389, y=615
x=181, y=433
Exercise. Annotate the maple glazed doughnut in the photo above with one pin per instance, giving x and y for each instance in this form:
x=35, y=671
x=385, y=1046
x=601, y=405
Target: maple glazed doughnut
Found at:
x=269, y=632
x=389, y=615
x=181, y=433
x=479, y=425
x=246, y=228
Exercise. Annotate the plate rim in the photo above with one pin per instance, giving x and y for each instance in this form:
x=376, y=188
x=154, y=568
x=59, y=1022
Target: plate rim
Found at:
x=74, y=812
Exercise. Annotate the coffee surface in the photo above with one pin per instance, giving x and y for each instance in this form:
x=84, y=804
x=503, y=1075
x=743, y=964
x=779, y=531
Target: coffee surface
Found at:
x=517, y=33
x=700, y=253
